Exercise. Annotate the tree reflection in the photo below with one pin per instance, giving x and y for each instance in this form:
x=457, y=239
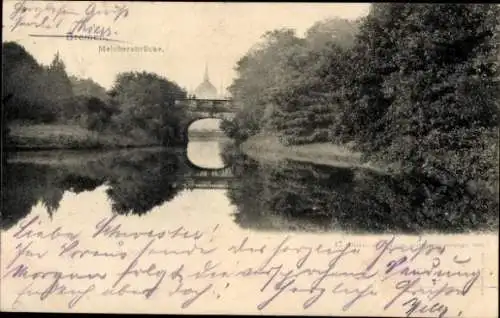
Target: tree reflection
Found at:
x=22, y=187
x=140, y=186
x=137, y=181
x=293, y=195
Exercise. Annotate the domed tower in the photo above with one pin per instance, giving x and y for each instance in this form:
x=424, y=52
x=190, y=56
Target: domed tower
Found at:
x=206, y=90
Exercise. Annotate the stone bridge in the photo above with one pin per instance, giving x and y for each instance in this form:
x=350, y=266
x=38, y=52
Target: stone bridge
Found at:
x=198, y=109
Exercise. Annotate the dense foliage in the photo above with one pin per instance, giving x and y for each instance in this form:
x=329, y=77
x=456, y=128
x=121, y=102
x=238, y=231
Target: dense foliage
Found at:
x=288, y=85
x=31, y=91
x=147, y=105
x=139, y=105
x=411, y=85
x=260, y=73
x=424, y=89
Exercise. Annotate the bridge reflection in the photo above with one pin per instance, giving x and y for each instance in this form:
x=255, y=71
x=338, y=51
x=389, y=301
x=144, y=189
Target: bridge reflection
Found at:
x=210, y=179
x=196, y=177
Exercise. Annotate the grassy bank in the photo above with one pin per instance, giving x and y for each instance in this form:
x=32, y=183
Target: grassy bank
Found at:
x=268, y=148
x=68, y=157
x=63, y=136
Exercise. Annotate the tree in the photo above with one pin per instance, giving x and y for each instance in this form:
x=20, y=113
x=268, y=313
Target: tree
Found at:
x=426, y=89
x=308, y=98
x=87, y=87
x=146, y=102
x=368, y=65
x=61, y=89
x=260, y=71
x=24, y=90
x=308, y=102
x=34, y=92
x=293, y=86
x=334, y=30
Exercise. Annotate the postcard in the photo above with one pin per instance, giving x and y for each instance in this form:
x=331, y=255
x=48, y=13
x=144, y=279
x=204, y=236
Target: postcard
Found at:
x=331, y=159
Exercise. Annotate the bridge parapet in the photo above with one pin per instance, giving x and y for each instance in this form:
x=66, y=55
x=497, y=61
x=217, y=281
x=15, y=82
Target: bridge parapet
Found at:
x=207, y=105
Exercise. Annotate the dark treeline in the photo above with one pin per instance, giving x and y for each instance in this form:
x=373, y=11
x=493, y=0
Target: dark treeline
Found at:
x=302, y=196
x=140, y=105
x=411, y=85
x=136, y=182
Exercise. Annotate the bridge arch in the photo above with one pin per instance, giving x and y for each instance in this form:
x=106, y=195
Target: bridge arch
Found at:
x=197, y=117
x=192, y=120
x=198, y=109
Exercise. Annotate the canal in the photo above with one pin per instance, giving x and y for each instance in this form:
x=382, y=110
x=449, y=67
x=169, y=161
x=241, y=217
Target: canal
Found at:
x=287, y=196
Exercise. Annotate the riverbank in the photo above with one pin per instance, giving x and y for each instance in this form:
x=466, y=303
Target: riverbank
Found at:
x=63, y=136
x=268, y=148
x=69, y=157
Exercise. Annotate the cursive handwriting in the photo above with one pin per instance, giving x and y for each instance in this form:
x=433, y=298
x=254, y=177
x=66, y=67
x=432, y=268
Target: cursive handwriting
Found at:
x=116, y=12
x=23, y=271
x=71, y=250
x=26, y=230
x=23, y=249
x=114, y=258
x=402, y=267
x=416, y=306
x=109, y=229
x=86, y=26
x=47, y=16
x=387, y=247
x=55, y=288
x=97, y=21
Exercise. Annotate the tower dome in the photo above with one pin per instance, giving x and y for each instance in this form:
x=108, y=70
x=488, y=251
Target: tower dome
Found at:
x=206, y=90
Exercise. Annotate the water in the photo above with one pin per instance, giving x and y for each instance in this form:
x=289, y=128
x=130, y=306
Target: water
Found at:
x=212, y=179
x=206, y=154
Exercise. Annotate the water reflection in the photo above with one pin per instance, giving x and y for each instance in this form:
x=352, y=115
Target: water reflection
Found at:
x=303, y=196
x=137, y=180
x=205, y=143
x=250, y=195
x=206, y=154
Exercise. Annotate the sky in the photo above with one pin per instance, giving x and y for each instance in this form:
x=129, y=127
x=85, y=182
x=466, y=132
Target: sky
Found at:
x=189, y=34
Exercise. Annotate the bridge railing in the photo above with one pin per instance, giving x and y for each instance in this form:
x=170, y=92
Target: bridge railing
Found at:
x=210, y=105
